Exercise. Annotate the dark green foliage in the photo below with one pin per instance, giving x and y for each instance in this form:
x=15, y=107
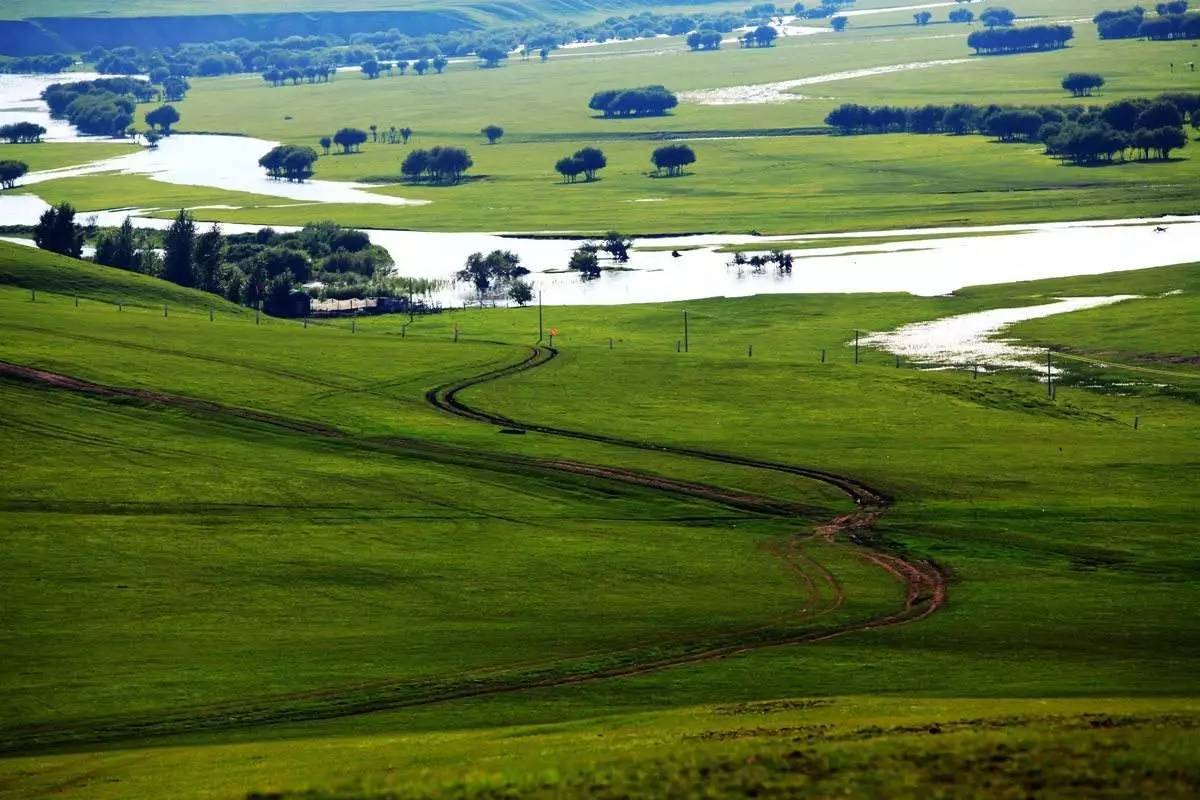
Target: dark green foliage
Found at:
x=162, y=118
x=22, y=132
x=119, y=248
x=994, y=41
x=10, y=172
x=440, y=164
x=672, y=158
x=350, y=139
x=496, y=271
x=289, y=162
x=706, y=39
x=57, y=232
x=178, y=243
x=1081, y=84
x=585, y=262
x=642, y=101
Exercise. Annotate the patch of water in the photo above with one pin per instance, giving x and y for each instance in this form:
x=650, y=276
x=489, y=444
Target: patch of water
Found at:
x=967, y=339
x=780, y=91
x=21, y=101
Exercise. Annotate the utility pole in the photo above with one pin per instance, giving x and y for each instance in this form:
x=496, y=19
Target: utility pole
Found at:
x=685, y=331
x=856, y=347
x=1049, y=377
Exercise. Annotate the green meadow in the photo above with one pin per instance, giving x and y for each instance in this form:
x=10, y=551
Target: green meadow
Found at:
x=273, y=579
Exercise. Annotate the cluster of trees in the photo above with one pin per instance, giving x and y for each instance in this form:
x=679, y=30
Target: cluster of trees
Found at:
x=42, y=65
x=10, y=172
x=758, y=264
x=586, y=161
x=162, y=118
x=585, y=259
x=1077, y=134
x=440, y=164
x=322, y=73
x=499, y=272
x=1018, y=40
x=672, y=158
x=1172, y=22
x=57, y=232
x=964, y=15
x=290, y=162
x=1081, y=84
x=997, y=17
x=706, y=39
x=644, y=101
x=827, y=8
x=372, y=68
x=352, y=139
x=103, y=106
x=22, y=132
x=762, y=36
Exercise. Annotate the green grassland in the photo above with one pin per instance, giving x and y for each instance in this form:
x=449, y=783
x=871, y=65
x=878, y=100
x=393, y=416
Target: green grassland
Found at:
x=182, y=573
x=55, y=155
x=777, y=184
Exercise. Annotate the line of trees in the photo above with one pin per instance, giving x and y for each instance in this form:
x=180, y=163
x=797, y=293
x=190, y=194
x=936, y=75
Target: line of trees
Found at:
x=22, y=132
x=40, y=65
x=319, y=73
x=1171, y=23
x=1081, y=135
x=758, y=264
x=995, y=41
x=963, y=15
x=440, y=164
x=643, y=101
x=706, y=39
x=762, y=36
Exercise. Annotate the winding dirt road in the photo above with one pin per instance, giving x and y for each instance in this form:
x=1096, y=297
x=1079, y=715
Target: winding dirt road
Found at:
x=924, y=582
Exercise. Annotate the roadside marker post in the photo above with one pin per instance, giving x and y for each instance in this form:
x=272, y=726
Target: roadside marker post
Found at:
x=553, y=333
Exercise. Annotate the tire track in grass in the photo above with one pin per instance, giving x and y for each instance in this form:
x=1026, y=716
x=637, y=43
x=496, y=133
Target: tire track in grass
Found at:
x=924, y=582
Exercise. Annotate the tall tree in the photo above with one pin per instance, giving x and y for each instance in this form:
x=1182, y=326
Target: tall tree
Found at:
x=162, y=118
x=10, y=172
x=179, y=245
x=492, y=133
x=56, y=231
x=210, y=251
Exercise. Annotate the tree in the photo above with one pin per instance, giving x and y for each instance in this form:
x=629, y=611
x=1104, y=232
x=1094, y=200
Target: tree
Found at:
x=492, y=132
x=415, y=164
x=22, y=133
x=591, y=160
x=764, y=36
x=421, y=66
x=406, y=134
x=162, y=118
x=402, y=67
x=585, y=262
x=152, y=138
x=349, y=139
x=1160, y=115
x=706, y=39
x=441, y=164
x=490, y=56
x=922, y=17
x=10, y=172
x=1081, y=84
x=374, y=132
x=496, y=270
x=1123, y=114
x=838, y=23
x=371, y=69
x=1014, y=124
x=520, y=292
x=569, y=168
x=179, y=246
x=1018, y=40
x=439, y=64
x=289, y=161
x=672, y=158
x=997, y=17
x=326, y=142
x=210, y=252
x=174, y=88
x=617, y=246
x=57, y=232
x=118, y=248
x=961, y=15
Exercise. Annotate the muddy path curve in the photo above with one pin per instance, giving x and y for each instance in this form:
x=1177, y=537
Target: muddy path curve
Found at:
x=924, y=582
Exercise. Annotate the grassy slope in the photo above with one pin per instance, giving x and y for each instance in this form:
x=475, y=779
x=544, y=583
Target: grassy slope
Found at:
x=778, y=185
x=1085, y=593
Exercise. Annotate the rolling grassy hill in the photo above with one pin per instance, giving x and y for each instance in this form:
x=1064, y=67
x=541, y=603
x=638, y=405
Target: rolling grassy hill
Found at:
x=227, y=541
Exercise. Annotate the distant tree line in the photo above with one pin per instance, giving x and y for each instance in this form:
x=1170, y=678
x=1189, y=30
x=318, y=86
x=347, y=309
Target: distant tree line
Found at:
x=22, y=132
x=643, y=101
x=41, y=65
x=1171, y=23
x=995, y=41
x=1080, y=135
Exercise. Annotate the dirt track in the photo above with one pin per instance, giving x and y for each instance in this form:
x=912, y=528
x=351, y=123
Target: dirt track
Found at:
x=925, y=584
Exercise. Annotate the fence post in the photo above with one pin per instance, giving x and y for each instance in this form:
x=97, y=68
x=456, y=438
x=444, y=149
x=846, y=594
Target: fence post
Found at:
x=164, y=310
x=685, y=331
x=610, y=343
x=749, y=351
x=822, y=355
x=257, y=308
x=77, y=301
x=1049, y=377
x=354, y=323
x=1135, y=423
x=210, y=313
x=897, y=361
x=33, y=295
x=856, y=347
